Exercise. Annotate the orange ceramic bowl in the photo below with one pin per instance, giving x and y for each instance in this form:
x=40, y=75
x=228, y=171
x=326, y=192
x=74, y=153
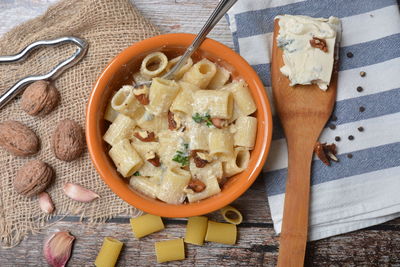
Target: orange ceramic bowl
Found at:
x=119, y=72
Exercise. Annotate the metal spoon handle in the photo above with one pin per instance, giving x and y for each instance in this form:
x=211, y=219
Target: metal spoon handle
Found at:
x=222, y=7
x=62, y=66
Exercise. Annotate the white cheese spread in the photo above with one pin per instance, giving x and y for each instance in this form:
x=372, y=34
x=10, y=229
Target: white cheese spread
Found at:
x=304, y=63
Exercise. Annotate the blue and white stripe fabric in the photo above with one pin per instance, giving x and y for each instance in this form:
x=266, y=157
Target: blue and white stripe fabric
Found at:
x=364, y=190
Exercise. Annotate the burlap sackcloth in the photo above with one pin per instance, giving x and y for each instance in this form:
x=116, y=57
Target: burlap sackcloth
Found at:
x=109, y=26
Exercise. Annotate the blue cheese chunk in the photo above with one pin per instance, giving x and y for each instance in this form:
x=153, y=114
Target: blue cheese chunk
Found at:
x=304, y=63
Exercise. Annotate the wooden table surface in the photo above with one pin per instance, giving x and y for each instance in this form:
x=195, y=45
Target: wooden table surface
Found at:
x=257, y=243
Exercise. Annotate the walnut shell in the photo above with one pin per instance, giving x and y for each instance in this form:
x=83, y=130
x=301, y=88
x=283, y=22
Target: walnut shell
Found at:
x=18, y=139
x=33, y=178
x=68, y=140
x=39, y=98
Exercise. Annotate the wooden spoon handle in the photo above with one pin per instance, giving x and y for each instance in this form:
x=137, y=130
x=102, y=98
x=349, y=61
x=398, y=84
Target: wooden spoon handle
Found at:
x=295, y=216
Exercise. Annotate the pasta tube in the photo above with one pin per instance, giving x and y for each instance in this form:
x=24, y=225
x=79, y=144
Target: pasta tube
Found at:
x=144, y=185
x=183, y=101
x=110, y=114
x=170, y=250
x=153, y=64
x=237, y=163
x=124, y=101
x=179, y=73
x=125, y=158
x=162, y=94
x=172, y=186
x=245, y=132
x=119, y=129
x=242, y=96
x=224, y=233
x=201, y=73
x=231, y=215
x=109, y=252
x=146, y=224
x=216, y=103
x=220, y=78
x=196, y=230
x=220, y=143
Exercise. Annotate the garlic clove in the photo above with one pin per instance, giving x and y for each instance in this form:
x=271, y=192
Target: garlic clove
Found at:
x=79, y=193
x=45, y=203
x=57, y=249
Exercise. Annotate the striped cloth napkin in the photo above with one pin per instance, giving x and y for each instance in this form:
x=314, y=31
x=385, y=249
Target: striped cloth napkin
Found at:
x=363, y=188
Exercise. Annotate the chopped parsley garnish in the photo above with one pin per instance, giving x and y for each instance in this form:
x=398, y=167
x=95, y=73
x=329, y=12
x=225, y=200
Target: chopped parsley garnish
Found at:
x=186, y=146
x=136, y=174
x=181, y=157
x=206, y=118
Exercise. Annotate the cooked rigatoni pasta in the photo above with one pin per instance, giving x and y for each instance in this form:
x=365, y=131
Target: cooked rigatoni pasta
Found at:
x=124, y=101
x=109, y=252
x=125, y=158
x=170, y=250
x=146, y=224
x=120, y=128
x=201, y=73
x=171, y=189
x=245, y=129
x=183, y=101
x=224, y=233
x=179, y=140
x=231, y=215
x=153, y=64
x=218, y=104
x=110, y=114
x=162, y=94
x=179, y=73
x=196, y=229
x=220, y=78
x=237, y=162
x=144, y=185
x=242, y=96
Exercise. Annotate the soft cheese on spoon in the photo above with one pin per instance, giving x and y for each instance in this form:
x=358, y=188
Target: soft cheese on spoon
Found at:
x=308, y=48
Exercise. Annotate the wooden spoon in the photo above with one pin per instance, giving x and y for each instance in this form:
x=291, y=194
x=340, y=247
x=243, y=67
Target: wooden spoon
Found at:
x=303, y=111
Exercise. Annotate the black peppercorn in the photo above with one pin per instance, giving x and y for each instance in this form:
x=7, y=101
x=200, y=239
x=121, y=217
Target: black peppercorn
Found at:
x=363, y=73
x=361, y=109
x=351, y=137
x=337, y=138
x=359, y=89
x=349, y=155
x=349, y=54
x=360, y=129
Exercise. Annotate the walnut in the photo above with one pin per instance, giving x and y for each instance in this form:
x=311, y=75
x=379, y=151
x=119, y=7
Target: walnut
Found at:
x=196, y=185
x=326, y=152
x=319, y=43
x=198, y=161
x=33, y=178
x=172, y=125
x=68, y=140
x=145, y=136
x=219, y=123
x=39, y=98
x=18, y=139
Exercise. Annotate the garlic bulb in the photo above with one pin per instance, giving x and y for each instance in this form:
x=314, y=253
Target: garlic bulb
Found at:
x=57, y=249
x=79, y=193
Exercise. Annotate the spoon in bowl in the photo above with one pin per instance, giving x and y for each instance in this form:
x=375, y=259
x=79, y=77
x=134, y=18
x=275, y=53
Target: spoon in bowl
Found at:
x=303, y=112
x=222, y=7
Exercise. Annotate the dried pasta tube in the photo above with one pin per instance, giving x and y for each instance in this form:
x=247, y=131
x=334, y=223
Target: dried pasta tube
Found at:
x=146, y=224
x=109, y=252
x=170, y=250
x=231, y=215
x=196, y=230
x=153, y=64
x=224, y=233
